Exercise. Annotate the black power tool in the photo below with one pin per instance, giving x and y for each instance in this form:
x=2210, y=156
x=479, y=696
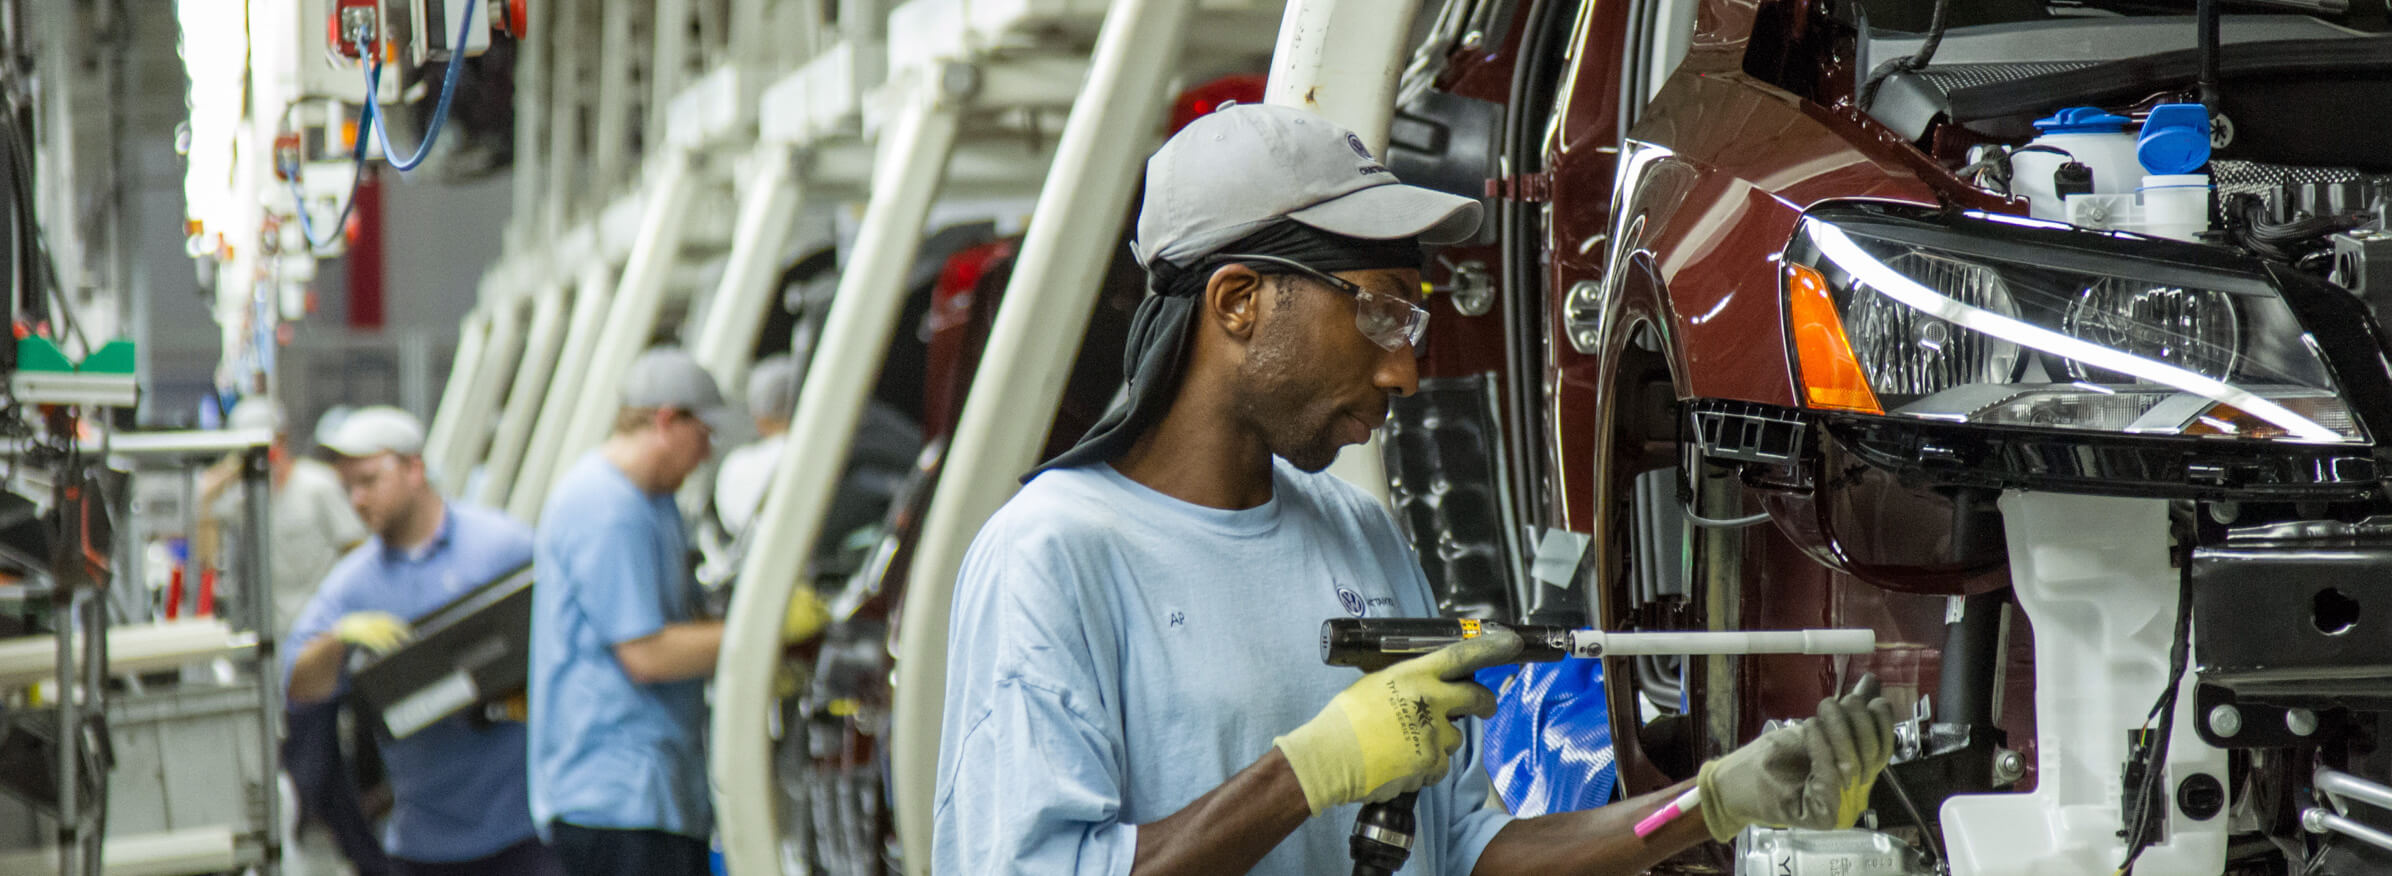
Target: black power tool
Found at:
x=1382, y=838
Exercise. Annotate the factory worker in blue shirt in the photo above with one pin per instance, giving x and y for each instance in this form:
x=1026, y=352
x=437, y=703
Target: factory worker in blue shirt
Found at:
x=458, y=807
x=620, y=652
x=1134, y=680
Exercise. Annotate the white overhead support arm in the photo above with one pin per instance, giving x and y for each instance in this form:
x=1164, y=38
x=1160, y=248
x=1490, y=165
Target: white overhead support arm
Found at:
x=595, y=290
x=611, y=129
x=726, y=333
x=567, y=30
x=533, y=374
x=1028, y=360
x=668, y=66
x=473, y=335
x=531, y=137
x=855, y=339
x=469, y=431
x=639, y=299
x=1342, y=59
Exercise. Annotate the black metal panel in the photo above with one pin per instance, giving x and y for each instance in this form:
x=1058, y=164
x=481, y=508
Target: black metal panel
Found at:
x=2104, y=464
x=1445, y=480
x=484, y=636
x=2297, y=613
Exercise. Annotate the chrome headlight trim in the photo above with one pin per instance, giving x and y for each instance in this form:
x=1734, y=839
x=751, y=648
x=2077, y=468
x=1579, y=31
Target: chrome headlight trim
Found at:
x=1831, y=246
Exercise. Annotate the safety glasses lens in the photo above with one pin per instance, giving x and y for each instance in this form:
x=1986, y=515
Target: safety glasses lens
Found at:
x=1390, y=322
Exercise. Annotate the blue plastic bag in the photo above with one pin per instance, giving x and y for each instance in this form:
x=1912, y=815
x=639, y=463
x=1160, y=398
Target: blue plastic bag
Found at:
x=1549, y=744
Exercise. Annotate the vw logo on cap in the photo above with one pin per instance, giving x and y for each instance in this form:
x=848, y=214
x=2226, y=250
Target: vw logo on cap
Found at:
x=1359, y=149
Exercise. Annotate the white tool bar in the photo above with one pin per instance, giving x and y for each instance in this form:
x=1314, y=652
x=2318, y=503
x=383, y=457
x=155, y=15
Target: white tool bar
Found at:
x=1597, y=643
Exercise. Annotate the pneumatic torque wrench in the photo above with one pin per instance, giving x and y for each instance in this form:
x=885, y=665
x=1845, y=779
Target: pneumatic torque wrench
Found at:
x=1382, y=838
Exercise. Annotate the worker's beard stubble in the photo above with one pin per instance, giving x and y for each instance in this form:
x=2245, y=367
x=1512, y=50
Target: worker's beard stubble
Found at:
x=1282, y=399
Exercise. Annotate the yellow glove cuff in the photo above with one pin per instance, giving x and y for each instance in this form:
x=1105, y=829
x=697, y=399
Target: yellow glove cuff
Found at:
x=807, y=615
x=1852, y=802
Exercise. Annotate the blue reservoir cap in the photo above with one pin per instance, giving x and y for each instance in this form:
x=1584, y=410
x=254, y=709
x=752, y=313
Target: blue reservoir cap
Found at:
x=2175, y=139
x=2083, y=120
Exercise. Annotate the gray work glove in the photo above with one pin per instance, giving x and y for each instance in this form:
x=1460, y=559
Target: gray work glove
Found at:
x=1815, y=774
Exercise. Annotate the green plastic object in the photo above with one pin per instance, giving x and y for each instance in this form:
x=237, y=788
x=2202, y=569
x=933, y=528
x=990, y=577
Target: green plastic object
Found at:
x=114, y=357
x=36, y=353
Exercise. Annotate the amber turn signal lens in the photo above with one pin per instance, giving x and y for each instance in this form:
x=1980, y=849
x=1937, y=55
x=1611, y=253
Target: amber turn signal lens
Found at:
x=1831, y=378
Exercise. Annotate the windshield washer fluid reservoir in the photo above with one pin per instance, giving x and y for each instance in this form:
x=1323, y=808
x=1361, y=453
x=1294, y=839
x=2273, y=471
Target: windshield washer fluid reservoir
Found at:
x=2104, y=143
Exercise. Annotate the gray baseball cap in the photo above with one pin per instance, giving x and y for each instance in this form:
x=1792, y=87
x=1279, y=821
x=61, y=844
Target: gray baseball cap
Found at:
x=666, y=377
x=377, y=430
x=1229, y=173
x=772, y=388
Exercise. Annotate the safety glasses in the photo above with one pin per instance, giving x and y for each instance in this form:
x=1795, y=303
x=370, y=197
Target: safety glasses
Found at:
x=1386, y=320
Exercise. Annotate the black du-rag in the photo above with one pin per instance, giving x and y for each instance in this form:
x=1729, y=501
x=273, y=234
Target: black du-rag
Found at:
x=1157, y=349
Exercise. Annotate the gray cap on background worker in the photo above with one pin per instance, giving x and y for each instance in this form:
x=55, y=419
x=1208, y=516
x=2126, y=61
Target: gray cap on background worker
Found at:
x=667, y=377
x=772, y=392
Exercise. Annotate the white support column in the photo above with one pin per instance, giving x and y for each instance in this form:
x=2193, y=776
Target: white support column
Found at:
x=469, y=433
x=1342, y=59
x=639, y=299
x=533, y=374
x=855, y=339
x=611, y=129
x=668, y=67
x=566, y=165
x=531, y=137
x=726, y=333
x=591, y=297
x=1028, y=360
x=473, y=335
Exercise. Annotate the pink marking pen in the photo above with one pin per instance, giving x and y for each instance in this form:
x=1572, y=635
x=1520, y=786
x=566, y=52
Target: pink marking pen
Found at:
x=1666, y=814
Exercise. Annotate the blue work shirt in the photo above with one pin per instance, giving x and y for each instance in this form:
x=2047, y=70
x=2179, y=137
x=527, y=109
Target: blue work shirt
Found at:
x=457, y=790
x=1116, y=653
x=606, y=751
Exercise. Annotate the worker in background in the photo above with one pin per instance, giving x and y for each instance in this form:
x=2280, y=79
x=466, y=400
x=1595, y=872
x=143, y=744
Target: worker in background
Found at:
x=620, y=652
x=312, y=522
x=740, y=480
x=458, y=802
x=1134, y=676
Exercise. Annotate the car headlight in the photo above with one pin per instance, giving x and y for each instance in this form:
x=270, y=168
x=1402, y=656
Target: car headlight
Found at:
x=1905, y=320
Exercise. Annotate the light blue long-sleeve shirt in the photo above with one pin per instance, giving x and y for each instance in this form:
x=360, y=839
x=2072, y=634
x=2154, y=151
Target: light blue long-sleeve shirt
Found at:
x=457, y=789
x=1116, y=653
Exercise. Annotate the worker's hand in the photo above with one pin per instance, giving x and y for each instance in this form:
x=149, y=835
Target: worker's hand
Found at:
x=1815, y=774
x=807, y=615
x=1392, y=731
x=378, y=631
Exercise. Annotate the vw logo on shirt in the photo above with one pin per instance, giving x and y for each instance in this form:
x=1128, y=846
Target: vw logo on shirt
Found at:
x=1350, y=599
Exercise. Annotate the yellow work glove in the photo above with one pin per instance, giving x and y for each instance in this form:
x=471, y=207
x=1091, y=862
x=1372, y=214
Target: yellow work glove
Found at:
x=807, y=615
x=1815, y=774
x=1392, y=731
x=378, y=631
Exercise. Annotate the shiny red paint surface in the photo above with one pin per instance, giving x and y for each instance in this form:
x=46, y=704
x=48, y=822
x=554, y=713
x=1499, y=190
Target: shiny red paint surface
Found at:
x=1581, y=160
x=958, y=324
x=1720, y=167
